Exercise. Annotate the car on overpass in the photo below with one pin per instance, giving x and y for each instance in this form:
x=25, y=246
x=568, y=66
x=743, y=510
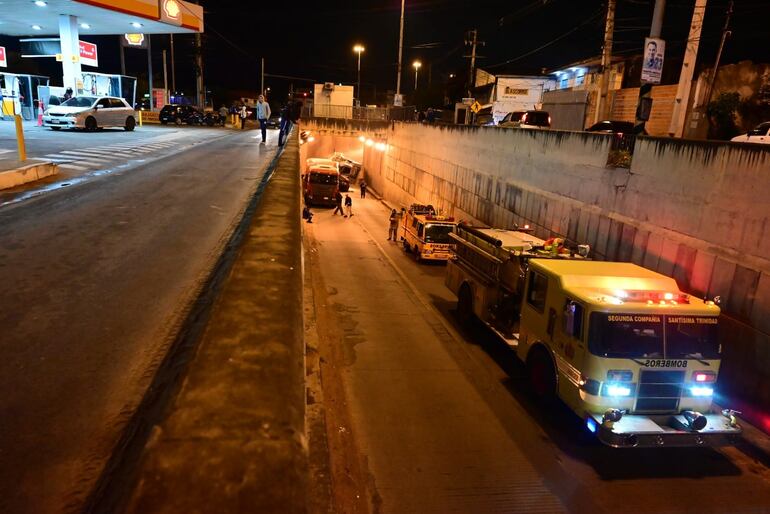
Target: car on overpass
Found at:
x=526, y=119
x=760, y=134
x=91, y=113
x=612, y=127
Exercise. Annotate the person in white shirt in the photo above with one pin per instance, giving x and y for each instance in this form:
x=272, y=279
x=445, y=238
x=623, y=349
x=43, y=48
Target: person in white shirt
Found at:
x=263, y=113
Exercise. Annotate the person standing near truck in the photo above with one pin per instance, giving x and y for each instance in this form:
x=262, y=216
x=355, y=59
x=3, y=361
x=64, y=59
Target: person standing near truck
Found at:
x=338, y=199
x=393, y=229
x=348, y=206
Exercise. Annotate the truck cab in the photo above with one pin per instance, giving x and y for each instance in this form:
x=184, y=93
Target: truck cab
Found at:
x=627, y=351
x=427, y=235
x=320, y=184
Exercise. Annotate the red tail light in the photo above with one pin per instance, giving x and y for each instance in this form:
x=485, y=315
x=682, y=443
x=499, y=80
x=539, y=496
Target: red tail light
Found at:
x=704, y=377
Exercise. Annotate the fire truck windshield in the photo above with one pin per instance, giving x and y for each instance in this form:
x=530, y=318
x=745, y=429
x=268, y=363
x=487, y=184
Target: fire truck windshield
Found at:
x=438, y=234
x=619, y=335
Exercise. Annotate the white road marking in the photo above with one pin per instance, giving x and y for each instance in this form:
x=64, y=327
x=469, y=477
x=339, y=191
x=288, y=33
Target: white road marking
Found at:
x=73, y=167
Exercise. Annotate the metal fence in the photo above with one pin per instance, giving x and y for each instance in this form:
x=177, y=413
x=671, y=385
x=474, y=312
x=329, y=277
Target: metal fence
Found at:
x=360, y=113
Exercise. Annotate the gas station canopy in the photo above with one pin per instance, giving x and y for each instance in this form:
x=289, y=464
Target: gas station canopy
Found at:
x=101, y=17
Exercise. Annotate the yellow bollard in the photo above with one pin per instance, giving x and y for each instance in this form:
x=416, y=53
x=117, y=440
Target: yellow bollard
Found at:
x=20, y=138
x=140, y=118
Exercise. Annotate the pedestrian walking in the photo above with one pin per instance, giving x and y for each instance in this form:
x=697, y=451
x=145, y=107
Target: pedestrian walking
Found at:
x=263, y=114
x=223, y=112
x=393, y=228
x=286, y=115
x=338, y=199
x=244, y=113
x=348, y=206
x=362, y=186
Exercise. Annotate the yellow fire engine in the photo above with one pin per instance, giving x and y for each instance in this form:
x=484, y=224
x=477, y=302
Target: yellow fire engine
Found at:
x=427, y=235
x=622, y=346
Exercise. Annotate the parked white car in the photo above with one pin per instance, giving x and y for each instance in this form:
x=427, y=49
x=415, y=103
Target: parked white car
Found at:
x=761, y=135
x=91, y=113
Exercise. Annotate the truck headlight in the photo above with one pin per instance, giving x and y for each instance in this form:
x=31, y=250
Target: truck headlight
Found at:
x=617, y=390
x=702, y=391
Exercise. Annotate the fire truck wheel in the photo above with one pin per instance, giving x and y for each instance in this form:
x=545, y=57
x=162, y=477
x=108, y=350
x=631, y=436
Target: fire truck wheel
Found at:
x=541, y=374
x=465, y=306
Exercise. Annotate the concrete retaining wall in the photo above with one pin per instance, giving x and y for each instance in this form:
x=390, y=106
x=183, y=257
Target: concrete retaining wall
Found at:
x=697, y=211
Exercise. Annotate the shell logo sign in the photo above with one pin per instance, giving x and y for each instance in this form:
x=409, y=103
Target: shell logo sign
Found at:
x=134, y=39
x=172, y=9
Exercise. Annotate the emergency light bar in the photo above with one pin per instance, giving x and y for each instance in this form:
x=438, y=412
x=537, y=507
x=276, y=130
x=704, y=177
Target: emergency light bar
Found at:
x=652, y=297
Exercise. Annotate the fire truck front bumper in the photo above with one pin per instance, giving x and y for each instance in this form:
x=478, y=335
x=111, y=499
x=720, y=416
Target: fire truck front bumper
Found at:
x=640, y=431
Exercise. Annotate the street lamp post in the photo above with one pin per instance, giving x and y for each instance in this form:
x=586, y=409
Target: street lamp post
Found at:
x=359, y=49
x=417, y=65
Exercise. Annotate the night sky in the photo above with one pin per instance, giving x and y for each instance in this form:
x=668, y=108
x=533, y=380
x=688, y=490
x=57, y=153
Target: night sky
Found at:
x=314, y=40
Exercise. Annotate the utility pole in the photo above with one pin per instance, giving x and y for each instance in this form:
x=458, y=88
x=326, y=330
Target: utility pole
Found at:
x=199, y=92
x=173, y=66
x=397, y=100
x=165, y=76
x=609, y=30
x=676, y=129
x=474, y=42
x=122, y=57
x=645, y=90
x=725, y=33
x=149, y=71
x=262, y=79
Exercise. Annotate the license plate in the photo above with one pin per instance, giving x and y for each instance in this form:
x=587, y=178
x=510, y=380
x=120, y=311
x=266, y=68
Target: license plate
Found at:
x=665, y=363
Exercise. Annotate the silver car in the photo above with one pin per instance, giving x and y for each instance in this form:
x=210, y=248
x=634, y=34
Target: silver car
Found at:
x=91, y=113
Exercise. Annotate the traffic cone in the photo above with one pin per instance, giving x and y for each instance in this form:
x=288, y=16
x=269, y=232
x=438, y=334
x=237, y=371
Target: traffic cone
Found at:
x=40, y=114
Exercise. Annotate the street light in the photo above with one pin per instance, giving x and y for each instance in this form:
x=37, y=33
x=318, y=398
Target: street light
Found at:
x=358, y=49
x=417, y=65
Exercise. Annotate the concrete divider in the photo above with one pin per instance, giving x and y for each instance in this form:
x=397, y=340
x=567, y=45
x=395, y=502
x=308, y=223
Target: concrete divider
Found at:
x=24, y=172
x=232, y=439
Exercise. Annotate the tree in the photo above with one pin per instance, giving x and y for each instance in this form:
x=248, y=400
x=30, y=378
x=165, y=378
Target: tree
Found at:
x=721, y=115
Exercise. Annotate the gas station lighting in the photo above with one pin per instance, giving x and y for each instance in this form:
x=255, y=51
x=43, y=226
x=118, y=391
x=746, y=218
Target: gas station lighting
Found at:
x=136, y=24
x=85, y=26
x=40, y=3
x=36, y=27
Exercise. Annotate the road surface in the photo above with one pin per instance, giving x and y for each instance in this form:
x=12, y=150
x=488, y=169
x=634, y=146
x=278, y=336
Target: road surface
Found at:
x=95, y=280
x=425, y=418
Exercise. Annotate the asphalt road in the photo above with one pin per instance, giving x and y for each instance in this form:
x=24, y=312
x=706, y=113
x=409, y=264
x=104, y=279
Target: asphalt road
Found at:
x=425, y=418
x=95, y=279
x=82, y=155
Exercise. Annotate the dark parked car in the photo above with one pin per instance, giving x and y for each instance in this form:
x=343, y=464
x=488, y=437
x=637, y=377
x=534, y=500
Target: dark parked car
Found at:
x=274, y=122
x=212, y=118
x=612, y=127
x=181, y=114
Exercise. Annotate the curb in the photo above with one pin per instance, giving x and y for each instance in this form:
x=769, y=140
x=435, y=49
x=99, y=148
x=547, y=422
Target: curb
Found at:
x=26, y=174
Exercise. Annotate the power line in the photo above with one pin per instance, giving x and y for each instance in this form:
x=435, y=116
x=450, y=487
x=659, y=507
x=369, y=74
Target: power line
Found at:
x=549, y=43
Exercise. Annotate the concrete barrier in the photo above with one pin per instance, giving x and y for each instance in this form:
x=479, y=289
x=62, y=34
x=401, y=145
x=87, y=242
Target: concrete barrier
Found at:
x=25, y=172
x=698, y=211
x=233, y=439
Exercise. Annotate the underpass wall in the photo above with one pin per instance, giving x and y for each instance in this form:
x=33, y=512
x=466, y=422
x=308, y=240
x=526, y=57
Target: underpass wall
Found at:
x=697, y=211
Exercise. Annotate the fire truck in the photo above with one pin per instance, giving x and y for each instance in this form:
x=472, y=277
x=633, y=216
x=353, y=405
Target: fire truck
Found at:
x=426, y=234
x=632, y=355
